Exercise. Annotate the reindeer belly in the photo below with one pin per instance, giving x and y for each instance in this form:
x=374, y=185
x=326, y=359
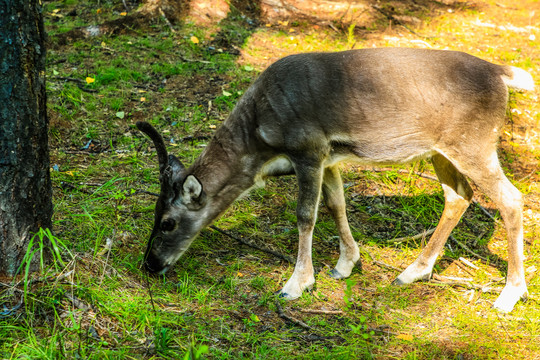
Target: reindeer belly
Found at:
x=377, y=153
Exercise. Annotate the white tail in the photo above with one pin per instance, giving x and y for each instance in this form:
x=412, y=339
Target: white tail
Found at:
x=520, y=79
x=308, y=112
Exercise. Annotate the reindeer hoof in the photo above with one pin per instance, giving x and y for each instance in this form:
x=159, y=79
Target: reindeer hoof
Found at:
x=335, y=274
x=509, y=297
x=411, y=274
x=398, y=281
x=286, y=296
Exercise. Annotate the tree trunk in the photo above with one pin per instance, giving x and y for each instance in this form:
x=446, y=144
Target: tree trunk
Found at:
x=25, y=185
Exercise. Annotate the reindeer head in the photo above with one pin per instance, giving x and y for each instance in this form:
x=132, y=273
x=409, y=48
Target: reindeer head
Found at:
x=178, y=210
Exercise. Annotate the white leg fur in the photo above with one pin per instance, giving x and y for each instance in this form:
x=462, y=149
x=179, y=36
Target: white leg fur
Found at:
x=301, y=279
x=347, y=260
x=509, y=297
x=349, y=254
x=417, y=271
x=457, y=195
x=306, y=214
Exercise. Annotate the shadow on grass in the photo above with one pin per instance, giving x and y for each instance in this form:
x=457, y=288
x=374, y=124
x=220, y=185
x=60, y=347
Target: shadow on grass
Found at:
x=381, y=219
x=374, y=221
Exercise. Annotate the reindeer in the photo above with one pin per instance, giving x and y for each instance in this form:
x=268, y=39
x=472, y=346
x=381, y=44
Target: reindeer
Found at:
x=307, y=113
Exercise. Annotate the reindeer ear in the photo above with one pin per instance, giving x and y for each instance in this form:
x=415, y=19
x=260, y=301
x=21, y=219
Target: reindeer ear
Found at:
x=192, y=192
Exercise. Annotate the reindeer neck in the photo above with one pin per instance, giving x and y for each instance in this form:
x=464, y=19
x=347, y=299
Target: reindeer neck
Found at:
x=227, y=167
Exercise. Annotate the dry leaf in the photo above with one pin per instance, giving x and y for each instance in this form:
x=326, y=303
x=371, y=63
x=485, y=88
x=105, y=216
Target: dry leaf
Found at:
x=90, y=80
x=194, y=40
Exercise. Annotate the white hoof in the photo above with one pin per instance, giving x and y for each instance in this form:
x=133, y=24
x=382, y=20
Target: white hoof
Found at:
x=296, y=285
x=509, y=297
x=413, y=273
x=344, y=266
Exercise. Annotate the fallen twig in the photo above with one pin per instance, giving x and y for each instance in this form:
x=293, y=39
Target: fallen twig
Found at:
x=290, y=318
x=466, y=248
x=446, y=280
x=438, y=279
x=195, y=60
x=254, y=246
x=484, y=210
x=68, y=186
x=383, y=329
x=451, y=278
x=468, y=263
x=385, y=265
x=80, y=84
x=166, y=20
x=411, y=238
x=78, y=303
x=321, y=311
x=462, y=266
x=142, y=192
x=145, y=275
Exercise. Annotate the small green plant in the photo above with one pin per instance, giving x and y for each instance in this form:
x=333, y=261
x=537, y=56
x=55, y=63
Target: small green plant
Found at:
x=362, y=329
x=258, y=282
x=39, y=244
x=196, y=353
x=348, y=296
x=351, y=40
x=163, y=339
x=251, y=321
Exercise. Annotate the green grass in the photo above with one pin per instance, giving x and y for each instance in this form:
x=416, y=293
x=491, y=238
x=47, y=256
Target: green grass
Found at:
x=94, y=301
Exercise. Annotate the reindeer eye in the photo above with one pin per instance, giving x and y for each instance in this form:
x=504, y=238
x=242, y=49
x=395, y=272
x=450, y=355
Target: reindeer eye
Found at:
x=167, y=225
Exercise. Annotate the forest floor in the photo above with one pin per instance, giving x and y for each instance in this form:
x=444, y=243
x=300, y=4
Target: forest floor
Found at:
x=184, y=75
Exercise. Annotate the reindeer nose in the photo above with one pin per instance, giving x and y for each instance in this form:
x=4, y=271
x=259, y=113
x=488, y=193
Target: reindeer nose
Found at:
x=153, y=265
x=148, y=267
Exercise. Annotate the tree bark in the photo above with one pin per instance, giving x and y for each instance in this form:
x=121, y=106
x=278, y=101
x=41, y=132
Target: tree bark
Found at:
x=25, y=185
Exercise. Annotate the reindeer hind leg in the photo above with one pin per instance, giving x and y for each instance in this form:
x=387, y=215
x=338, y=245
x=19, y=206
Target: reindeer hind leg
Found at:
x=457, y=195
x=334, y=199
x=488, y=175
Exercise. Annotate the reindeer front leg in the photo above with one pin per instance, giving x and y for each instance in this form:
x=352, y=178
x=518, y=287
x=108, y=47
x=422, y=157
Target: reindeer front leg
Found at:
x=309, y=190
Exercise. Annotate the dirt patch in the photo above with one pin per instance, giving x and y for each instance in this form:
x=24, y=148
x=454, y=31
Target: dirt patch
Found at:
x=358, y=12
x=202, y=12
